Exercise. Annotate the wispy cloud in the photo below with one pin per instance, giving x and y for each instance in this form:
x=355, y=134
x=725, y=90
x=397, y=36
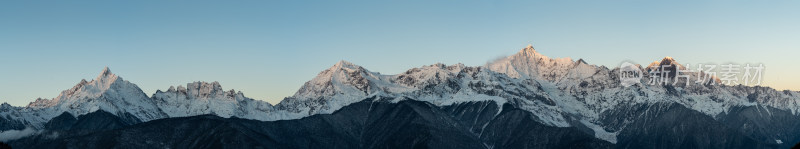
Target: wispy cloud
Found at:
x=17, y=134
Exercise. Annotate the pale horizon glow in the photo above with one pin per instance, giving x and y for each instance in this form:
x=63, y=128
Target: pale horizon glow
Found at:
x=268, y=49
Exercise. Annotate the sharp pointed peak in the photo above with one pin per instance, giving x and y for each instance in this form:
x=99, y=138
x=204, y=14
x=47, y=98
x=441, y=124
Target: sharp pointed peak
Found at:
x=530, y=51
x=106, y=73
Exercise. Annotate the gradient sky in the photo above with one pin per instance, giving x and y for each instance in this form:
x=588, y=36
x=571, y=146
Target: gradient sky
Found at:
x=268, y=49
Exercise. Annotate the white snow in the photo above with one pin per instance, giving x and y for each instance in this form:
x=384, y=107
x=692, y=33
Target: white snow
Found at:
x=200, y=98
x=601, y=133
x=107, y=92
x=551, y=89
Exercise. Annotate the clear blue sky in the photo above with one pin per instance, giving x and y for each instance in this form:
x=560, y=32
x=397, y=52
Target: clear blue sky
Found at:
x=268, y=49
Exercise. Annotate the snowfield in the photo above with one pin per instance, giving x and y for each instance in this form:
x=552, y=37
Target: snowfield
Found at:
x=559, y=92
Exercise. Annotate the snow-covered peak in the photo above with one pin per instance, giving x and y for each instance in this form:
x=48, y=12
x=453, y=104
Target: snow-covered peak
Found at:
x=199, y=98
x=530, y=64
x=106, y=78
x=666, y=61
x=528, y=50
x=340, y=85
x=205, y=90
x=108, y=92
x=96, y=87
x=83, y=90
x=554, y=90
x=344, y=65
x=106, y=73
x=39, y=102
x=668, y=65
x=343, y=77
x=426, y=75
x=668, y=58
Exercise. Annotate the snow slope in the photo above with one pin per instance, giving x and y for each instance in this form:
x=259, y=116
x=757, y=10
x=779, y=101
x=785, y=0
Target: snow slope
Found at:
x=107, y=92
x=558, y=92
x=200, y=98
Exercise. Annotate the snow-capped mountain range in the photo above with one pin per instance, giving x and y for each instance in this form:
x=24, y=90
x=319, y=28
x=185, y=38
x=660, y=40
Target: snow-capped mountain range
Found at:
x=559, y=92
x=107, y=92
x=200, y=98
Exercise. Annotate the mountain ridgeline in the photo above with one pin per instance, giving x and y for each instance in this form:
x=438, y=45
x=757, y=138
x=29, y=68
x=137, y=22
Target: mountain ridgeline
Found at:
x=526, y=100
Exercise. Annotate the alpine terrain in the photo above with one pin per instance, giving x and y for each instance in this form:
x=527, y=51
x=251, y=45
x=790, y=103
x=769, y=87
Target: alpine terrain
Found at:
x=526, y=100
